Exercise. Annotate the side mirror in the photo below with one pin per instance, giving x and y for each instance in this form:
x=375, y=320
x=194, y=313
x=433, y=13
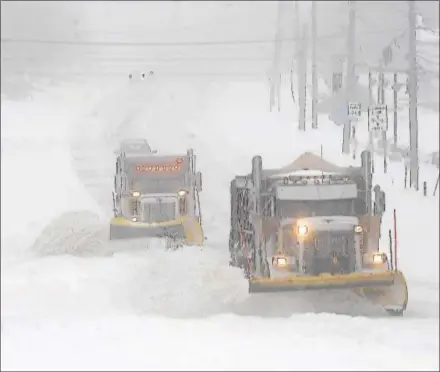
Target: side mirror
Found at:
x=382, y=201
x=379, y=201
x=199, y=181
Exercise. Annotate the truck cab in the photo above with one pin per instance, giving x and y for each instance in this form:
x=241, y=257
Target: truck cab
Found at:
x=152, y=189
x=312, y=215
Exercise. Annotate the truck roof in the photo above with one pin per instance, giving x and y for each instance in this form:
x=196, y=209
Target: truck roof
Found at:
x=135, y=146
x=308, y=164
x=304, y=173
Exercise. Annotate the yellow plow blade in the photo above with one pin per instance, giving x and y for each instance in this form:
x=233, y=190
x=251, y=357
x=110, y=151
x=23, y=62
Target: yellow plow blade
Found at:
x=193, y=231
x=393, y=298
x=185, y=228
x=387, y=289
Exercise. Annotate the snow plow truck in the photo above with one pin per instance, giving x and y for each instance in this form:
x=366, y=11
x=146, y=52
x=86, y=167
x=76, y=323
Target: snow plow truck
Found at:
x=311, y=226
x=156, y=196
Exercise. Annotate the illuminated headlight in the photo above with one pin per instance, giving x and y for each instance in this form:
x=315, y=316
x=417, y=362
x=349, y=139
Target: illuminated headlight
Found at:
x=379, y=258
x=281, y=261
x=136, y=193
x=302, y=230
x=134, y=219
x=358, y=229
x=181, y=193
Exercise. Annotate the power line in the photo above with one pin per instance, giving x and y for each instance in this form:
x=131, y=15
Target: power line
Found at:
x=146, y=59
x=175, y=43
x=140, y=44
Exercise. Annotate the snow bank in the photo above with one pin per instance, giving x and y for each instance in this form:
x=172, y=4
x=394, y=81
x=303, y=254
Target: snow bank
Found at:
x=37, y=182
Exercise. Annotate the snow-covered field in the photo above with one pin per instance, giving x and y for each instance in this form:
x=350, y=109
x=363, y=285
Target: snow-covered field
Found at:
x=71, y=300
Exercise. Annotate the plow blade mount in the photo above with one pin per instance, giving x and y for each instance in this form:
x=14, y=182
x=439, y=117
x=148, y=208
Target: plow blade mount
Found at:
x=387, y=289
x=186, y=229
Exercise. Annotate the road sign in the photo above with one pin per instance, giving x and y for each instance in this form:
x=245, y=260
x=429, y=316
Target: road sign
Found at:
x=354, y=110
x=377, y=118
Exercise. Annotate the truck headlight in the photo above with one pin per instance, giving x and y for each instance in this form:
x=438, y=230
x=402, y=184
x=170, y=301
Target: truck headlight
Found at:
x=302, y=230
x=134, y=219
x=281, y=261
x=136, y=193
x=358, y=229
x=181, y=193
x=379, y=258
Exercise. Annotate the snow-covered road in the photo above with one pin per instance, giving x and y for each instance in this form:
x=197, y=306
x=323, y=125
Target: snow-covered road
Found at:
x=144, y=308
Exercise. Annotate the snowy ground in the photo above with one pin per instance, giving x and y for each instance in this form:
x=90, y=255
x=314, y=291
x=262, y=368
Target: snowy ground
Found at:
x=144, y=308
x=70, y=300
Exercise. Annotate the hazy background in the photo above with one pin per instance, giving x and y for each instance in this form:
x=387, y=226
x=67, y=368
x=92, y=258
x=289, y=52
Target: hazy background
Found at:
x=228, y=39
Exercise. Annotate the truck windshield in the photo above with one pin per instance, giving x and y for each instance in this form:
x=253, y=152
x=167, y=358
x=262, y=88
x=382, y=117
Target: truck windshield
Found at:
x=311, y=208
x=136, y=148
x=158, y=184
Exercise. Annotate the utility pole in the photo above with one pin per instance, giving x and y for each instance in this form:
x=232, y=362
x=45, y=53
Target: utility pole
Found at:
x=275, y=79
x=381, y=101
x=395, y=91
x=412, y=91
x=314, y=70
x=302, y=79
x=370, y=88
x=2, y=62
x=370, y=132
x=380, y=86
x=350, y=75
x=300, y=70
x=436, y=186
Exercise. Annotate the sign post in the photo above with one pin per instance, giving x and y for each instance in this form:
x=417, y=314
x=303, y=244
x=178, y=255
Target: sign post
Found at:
x=354, y=114
x=378, y=122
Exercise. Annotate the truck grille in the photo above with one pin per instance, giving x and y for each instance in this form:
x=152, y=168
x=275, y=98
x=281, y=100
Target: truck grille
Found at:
x=158, y=211
x=328, y=242
x=331, y=251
